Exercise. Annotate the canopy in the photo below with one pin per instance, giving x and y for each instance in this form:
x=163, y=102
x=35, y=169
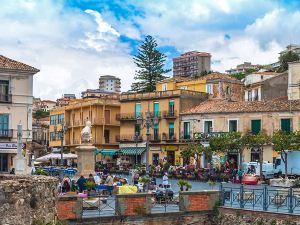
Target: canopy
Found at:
x=56, y=156
x=132, y=151
x=106, y=152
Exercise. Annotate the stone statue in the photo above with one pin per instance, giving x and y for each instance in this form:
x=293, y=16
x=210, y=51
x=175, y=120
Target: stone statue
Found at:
x=86, y=136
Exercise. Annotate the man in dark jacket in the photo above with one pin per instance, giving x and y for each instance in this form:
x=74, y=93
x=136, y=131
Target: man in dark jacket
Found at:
x=81, y=183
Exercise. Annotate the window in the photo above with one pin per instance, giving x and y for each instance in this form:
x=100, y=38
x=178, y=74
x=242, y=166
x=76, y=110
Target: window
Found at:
x=53, y=119
x=171, y=131
x=61, y=118
x=4, y=125
x=208, y=126
x=52, y=136
x=156, y=109
x=137, y=130
x=255, y=126
x=249, y=96
x=171, y=107
x=255, y=98
x=186, y=130
x=4, y=87
x=232, y=126
x=137, y=110
x=286, y=125
x=106, y=136
x=164, y=87
x=209, y=88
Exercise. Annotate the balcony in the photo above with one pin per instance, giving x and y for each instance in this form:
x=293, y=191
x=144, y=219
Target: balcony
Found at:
x=170, y=114
x=155, y=137
x=130, y=138
x=155, y=115
x=169, y=137
x=7, y=98
x=127, y=117
x=6, y=133
x=186, y=138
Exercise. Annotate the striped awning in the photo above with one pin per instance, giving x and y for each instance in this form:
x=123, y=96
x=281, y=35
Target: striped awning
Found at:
x=132, y=151
x=106, y=152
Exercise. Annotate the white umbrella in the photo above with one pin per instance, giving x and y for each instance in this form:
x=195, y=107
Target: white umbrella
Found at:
x=56, y=156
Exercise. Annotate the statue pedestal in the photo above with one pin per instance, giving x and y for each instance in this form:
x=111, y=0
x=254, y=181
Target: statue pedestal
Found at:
x=85, y=160
x=20, y=165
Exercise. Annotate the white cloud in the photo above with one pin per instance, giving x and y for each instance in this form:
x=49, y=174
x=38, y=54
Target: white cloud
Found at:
x=70, y=47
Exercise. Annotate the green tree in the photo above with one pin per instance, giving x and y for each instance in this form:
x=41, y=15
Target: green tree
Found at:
x=259, y=141
x=151, y=66
x=239, y=76
x=186, y=153
x=40, y=114
x=285, y=59
x=282, y=142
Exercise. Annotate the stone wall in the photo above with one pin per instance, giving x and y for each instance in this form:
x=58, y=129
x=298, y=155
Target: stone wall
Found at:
x=27, y=199
x=178, y=218
x=229, y=216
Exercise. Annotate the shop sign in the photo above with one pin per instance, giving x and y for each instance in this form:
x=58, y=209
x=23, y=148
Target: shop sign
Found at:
x=170, y=148
x=154, y=148
x=8, y=145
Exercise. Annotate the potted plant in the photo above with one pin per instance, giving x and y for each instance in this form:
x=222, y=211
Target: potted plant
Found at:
x=145, y=180
x=90, y=186
x=181, y=184
x=188, y=186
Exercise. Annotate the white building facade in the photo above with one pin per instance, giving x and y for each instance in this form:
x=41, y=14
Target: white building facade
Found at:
x=16, y=99
x=108, y=83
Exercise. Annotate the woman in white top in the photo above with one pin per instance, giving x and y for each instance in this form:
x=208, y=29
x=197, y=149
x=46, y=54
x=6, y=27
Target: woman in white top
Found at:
x=165, y=180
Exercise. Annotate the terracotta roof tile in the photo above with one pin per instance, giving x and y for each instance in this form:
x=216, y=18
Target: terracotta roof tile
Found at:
x=10, y=64
x=225, y=106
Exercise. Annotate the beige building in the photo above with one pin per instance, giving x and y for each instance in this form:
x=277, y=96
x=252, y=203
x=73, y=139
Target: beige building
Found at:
x=165, y=134
x=101, y=112
x=294, y=81
x=215, y=116
x=191, y=64
x=16, y=99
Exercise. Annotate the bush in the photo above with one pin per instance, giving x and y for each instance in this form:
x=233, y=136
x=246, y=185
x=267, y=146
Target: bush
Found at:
x=41, y=172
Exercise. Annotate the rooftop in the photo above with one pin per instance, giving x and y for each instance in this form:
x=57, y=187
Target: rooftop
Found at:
x=193, y=53
x=226, y=106
x=10, y=64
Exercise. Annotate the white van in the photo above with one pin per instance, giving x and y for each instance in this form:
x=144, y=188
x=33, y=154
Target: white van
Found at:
x=267, y=168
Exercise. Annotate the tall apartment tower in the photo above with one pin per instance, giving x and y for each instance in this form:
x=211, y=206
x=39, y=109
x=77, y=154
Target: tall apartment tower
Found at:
x=108, y=83
x=191, y=64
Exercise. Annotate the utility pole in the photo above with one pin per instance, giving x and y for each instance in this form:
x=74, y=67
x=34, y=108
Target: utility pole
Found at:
x=148, y=125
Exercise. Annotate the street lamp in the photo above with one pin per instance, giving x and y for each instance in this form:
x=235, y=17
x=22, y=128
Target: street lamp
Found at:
x=62, y=132
x=148, y=125
x=136, y=146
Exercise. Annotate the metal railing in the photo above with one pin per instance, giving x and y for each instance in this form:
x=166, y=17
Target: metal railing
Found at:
x=98, y=206
x=165, y=202
x=170, y=114
x=130, y=138
x=261, y=198
x=127, y=116
x=7, y=98
x=155, y=137
x=6, y=133
x=169, y=137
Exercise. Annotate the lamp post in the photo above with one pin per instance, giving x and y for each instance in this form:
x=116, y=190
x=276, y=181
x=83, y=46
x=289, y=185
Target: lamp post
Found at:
x=62, y=132
x=148, y=125
x=136, y=145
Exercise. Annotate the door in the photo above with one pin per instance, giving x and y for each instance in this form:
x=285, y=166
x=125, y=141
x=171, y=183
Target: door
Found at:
x=3, y=162
x=106, y=136
x=171, y=157
x=107, y=116
x=155, y=159
x=186, y=130
x=156, y=109
x=171, y=108
x=255, y=126
x=3, y=125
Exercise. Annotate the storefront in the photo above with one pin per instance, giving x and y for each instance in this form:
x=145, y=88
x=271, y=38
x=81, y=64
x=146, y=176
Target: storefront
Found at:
x=172, y=155
x=7, y=154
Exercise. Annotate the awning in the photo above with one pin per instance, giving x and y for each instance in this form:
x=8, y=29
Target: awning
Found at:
x=132, y=151
x=106, y=152
x=56, y=156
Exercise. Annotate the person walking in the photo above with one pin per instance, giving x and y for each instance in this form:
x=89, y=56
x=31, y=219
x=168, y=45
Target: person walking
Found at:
x=240, y=175
x=165, y=180
x=234, y=173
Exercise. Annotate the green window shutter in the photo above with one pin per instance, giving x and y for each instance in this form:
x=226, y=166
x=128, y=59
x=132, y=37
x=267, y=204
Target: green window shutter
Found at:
x=255, y=126
x=286, y=125
x=156, y=109
x=232, y=126
x=137, y=110
x=186, y=130
x=171, y=125
x=156, y=126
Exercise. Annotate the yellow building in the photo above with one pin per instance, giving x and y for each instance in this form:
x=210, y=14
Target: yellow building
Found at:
x=165, y=134
x=218, y=85
x=103, y=115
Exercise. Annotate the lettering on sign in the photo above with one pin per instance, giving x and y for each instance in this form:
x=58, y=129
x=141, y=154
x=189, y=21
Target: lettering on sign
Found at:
x=8, y=145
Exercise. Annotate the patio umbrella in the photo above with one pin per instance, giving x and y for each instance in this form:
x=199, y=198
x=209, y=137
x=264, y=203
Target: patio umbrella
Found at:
x=56, y=156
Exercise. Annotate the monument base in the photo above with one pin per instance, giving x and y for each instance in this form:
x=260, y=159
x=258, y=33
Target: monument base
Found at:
x=85, y=160
x=20, y=165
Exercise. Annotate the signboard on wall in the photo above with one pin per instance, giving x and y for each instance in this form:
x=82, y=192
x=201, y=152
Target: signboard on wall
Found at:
x=8, y=145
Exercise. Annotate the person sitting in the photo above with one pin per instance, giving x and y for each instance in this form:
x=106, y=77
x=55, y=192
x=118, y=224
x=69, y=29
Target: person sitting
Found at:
x=109, y=182
x=66, y=186
x=81, y=183
x=12, y=171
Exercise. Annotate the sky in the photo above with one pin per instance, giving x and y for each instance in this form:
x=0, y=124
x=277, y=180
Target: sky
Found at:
x=73, y=42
